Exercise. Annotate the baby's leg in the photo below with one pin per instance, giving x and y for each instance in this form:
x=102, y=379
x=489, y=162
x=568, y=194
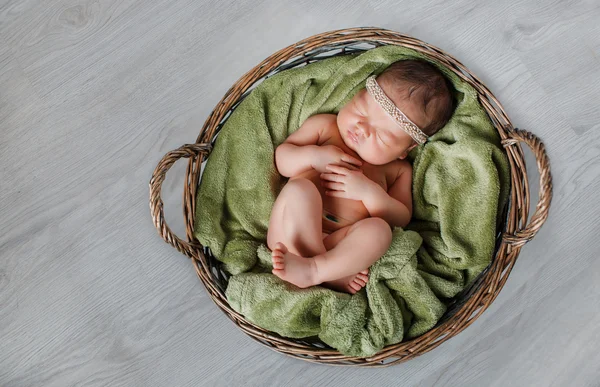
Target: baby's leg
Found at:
x=352, y=283
x=366, y=241
x=296, y=219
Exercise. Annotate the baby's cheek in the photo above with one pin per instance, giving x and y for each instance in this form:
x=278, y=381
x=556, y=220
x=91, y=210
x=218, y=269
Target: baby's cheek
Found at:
x=341, y=118
x=384, y=157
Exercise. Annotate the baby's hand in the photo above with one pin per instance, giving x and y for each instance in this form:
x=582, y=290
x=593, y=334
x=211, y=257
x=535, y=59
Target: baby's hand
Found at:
x=348, y=184
x=331, y=154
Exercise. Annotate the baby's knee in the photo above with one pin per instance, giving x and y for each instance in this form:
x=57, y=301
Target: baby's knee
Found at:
x=301, y=188
x=381, y=229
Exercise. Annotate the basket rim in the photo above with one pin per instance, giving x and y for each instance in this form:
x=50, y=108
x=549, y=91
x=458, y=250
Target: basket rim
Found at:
x=515, y=229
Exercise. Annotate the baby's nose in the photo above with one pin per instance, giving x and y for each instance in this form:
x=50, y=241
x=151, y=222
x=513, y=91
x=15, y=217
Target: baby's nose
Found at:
x=362, y=130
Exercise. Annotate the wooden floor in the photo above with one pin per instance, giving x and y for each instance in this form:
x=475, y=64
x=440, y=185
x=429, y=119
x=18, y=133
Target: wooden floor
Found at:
x=94, y=93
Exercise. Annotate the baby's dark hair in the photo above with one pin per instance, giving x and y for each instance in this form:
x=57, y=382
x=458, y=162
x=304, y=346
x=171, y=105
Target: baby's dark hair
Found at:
x=414, y=78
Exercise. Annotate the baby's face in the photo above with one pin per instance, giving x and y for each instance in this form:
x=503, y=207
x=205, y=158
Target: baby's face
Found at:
x=369, y=131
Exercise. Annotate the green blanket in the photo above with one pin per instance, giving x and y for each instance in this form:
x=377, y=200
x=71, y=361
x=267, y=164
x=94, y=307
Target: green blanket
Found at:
x=460, y=183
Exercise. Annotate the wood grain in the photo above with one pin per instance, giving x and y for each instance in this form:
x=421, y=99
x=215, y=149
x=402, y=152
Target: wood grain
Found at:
x=94, y=93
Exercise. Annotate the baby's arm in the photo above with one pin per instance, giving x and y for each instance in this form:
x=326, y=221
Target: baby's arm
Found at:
x=294, y=155
x=395, y=205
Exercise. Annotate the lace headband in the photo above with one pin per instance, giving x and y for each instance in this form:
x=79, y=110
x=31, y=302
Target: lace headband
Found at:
x=401, y=119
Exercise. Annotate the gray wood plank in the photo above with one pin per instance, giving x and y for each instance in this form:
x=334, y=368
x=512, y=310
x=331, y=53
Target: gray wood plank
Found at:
x=93, y=94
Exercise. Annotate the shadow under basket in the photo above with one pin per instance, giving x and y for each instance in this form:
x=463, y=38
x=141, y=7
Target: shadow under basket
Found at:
x=469, y=305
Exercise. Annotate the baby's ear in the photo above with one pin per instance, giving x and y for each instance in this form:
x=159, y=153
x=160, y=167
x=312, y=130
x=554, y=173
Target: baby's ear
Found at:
x=405, y=153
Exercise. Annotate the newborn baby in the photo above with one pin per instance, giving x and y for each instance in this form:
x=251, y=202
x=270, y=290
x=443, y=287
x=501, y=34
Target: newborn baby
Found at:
x=349, y=184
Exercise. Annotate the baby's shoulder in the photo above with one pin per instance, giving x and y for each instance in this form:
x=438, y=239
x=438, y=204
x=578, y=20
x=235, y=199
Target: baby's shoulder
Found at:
x=329, y=122
x=402, y=165
x=324, y=119
x=326, y=124
x=396, y=168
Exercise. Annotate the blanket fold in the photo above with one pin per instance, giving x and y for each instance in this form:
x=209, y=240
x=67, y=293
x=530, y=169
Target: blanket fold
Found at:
x=460, y=185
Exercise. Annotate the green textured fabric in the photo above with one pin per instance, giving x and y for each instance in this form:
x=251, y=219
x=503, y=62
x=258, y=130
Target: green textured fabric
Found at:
x=460, y=182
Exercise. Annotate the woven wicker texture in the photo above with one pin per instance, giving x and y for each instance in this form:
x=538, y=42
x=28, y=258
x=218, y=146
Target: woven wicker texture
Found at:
x=516, y=230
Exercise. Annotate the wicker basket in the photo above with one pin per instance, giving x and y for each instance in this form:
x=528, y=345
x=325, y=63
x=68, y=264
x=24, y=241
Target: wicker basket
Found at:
x=515, y=231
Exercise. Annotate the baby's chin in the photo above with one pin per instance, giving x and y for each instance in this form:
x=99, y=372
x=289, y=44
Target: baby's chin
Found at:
x=366, y=159
x=353, y=146
x=372, y=161
x=362, y=156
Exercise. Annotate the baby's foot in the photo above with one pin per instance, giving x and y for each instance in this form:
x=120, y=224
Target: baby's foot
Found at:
x=292, y=268
x=350, y=284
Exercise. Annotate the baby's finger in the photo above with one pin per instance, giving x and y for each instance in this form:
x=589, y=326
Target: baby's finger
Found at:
x=350, y=166
x=346, y=157
x=329, y=176
x=337, y=169
x=332, y=185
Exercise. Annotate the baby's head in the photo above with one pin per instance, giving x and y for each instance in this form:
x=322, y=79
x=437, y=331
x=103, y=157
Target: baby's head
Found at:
x=418, y=89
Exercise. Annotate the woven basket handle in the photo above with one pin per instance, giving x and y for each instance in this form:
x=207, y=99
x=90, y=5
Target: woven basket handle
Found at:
x=520, y=237
x=156, y=203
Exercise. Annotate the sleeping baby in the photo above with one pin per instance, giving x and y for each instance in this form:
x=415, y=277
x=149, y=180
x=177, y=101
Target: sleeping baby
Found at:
x=349, y=184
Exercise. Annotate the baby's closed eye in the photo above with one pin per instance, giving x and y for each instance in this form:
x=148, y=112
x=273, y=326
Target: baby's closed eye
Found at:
x=381, y=139
x=360, y=109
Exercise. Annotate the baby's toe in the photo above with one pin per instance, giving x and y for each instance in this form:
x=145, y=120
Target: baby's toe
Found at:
x=280, y=246
x=359, y=281
x=277, y=254
x=277, y=272
x=362, y=277
x=355, y=286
